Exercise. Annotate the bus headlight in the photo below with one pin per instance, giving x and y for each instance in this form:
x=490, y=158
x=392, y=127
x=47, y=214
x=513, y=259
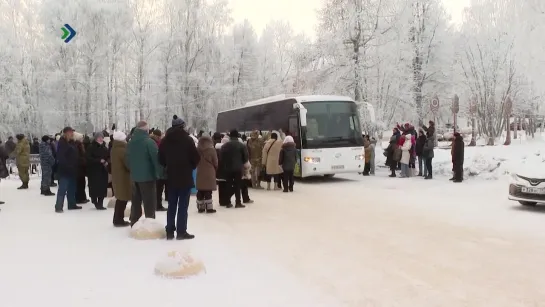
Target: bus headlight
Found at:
x=311, y=160
x=360, y=157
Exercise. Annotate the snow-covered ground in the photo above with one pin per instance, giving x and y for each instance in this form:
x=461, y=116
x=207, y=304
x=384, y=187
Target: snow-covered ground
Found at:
x=349, y=241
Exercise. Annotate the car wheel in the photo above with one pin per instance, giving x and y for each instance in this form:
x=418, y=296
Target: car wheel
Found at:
x=329, y=175
x=528, y=203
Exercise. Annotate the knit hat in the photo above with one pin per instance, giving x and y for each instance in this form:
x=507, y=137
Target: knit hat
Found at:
x=176, y=121
x=157, y=132
x=98, y=135
x=119, y=136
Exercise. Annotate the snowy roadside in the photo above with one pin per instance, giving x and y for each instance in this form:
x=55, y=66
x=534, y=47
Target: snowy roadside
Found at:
x=485, y=162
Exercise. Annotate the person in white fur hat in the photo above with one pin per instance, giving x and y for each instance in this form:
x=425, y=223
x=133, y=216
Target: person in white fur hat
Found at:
x=121, y=178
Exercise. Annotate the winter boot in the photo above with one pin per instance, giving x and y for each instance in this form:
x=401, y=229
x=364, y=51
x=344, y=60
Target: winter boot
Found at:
x=24, y=186
x=53, y=185
x=201, y=206
x=268, y=186
x=47, y=192
x=170, y=235
x=100, y=204
x=393, y=174
x=184, y=236
x=209, y=206
x=119, y=214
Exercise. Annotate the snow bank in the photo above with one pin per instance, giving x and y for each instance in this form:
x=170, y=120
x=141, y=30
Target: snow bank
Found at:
x=485, y=162
x=148, y=229
x=179, y=264
x=491, y=162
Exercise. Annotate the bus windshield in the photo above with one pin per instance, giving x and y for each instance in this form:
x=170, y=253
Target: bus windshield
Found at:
x=332, y=124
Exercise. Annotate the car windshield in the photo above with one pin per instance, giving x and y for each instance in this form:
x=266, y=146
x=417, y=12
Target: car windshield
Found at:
x=332, y=123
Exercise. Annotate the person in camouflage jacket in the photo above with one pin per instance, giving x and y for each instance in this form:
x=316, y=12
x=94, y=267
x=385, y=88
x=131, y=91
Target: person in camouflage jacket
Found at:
x=22, y=160
x=255, y=147
x=47, y=161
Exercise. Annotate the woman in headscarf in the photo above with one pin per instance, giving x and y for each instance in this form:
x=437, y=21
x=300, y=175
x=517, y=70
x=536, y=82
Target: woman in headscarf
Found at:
x=270, y=156
x=287, y=160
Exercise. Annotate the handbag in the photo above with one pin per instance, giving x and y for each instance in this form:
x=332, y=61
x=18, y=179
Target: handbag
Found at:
x=263, y=172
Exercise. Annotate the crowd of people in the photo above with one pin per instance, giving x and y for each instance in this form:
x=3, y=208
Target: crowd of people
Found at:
x=406, y=146
x=143, y=165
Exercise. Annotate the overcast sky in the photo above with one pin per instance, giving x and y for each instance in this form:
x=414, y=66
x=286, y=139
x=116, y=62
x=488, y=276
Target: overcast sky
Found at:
x=260, y=12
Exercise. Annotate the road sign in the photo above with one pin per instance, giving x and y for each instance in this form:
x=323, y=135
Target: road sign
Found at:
x=455, y=104
x=434, y=105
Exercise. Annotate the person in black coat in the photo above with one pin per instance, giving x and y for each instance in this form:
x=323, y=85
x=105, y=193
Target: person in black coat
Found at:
x=81, y=183
x=67, y=169
x=420, y=141
x=53, y=145
x=179, y=155
x=288, y=160
x=458, y=157
x=223, y=192
x=97, y=170
x=234, y=155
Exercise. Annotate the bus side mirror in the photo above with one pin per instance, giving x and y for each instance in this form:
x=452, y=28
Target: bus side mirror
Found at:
x=303, y=117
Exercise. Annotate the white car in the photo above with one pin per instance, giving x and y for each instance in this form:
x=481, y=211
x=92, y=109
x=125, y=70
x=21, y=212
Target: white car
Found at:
x=528, y=187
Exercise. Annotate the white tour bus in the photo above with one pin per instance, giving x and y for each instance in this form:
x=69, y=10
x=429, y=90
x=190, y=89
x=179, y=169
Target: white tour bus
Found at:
x=326, y=130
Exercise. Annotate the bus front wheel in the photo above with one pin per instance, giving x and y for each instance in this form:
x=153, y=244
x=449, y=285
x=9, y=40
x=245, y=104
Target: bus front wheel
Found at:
x=329, y=175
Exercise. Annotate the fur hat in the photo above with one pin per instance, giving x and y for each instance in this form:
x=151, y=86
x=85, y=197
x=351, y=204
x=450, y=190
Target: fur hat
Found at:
x=119, y=136
x=78, y=137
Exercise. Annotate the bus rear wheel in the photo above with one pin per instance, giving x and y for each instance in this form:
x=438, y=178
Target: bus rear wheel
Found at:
x=329, y=175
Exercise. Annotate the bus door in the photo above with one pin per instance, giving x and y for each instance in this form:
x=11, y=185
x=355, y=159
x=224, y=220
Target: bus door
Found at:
x=295, y=132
